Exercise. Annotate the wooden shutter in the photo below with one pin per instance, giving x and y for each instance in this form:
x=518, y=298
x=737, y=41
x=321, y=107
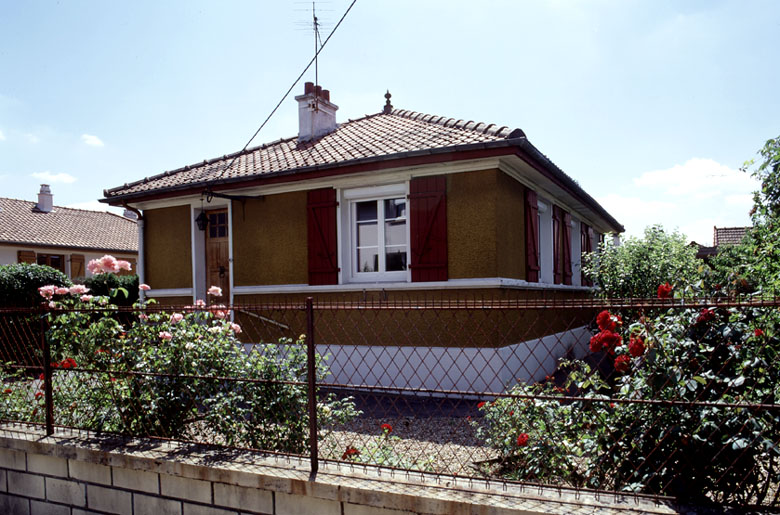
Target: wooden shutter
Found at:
x=428, y=228
x=566, y=248
x=322, y=236
x=557, y=235
x=531, y=237
x=76, y=266
x=586, y=246
x=26, y=256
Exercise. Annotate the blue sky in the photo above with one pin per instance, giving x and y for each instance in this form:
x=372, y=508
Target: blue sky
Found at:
x=651, y=105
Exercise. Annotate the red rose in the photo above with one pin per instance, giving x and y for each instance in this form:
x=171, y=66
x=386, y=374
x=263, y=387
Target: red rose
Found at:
x=605, y=321
x=38, y=395
x=636, y=346
x=386, y=428
x=41, y=377
x=522, y=440
x=350, y=452
x=479, y=406
x=665, y=291
x=7, y=390
x=595, y=343
x=622, y=363
x=706, y=315
x=611, y=340
x=758, y=333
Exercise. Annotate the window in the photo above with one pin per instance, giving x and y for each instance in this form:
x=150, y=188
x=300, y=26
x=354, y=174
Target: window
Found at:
x=52, y=260
x=378, y=234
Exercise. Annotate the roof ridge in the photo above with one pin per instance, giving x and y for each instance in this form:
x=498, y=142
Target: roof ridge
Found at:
x=478, y=127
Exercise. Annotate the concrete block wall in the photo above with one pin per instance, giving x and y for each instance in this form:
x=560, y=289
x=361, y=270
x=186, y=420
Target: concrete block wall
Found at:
x=71, y=473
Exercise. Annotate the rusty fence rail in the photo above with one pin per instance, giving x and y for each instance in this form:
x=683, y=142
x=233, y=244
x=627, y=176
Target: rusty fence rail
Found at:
x=669, y=398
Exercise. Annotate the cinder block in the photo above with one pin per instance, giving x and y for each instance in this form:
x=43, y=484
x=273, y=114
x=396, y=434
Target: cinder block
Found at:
x=288, y=504
x=12, y=459
x=66, y=492
x=49, y=465
x=250, y=499
x=136, y=480
x=199, y=509
x=155, y=505
x=109, y=500
x=186, y=488
x=358, y=509
x=46, y=508
x=29, y=485
x=90, y=472
x=12, y=504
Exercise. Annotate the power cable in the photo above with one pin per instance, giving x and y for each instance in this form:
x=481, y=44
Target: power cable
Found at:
x=284, y=97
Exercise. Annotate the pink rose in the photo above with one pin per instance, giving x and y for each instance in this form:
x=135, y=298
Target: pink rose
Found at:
x=78, y=289
x=47, y=291
x=144, y=287
x=143, y=316
x=61, y=291
x=109, y=264
x=52, y=304
x=124, y=265
x=236, y=328
x=200, y=303
x=215, y=291
x=86, y=298
x=176, y=318
x=165, y=335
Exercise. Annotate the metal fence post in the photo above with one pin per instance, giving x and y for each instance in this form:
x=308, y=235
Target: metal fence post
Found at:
x=47, y=386
x=311, y=379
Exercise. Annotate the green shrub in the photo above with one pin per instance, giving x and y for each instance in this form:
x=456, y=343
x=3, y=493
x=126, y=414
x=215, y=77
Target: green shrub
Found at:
x=124, y=288
x=19, y=283
x=637, y=266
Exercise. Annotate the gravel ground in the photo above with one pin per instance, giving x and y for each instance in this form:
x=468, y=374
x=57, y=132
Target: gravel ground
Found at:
x=435, y=444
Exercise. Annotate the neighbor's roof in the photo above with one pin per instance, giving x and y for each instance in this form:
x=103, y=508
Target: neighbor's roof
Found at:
x=378, y=137
x=22, y=224
x=729, y=235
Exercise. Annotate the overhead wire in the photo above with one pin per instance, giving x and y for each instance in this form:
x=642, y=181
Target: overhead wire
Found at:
x=284, y=97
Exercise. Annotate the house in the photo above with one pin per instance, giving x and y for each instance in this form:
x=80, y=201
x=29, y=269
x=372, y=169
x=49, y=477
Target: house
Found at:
x=62, y=237
x=721, y=236
x=393, y=205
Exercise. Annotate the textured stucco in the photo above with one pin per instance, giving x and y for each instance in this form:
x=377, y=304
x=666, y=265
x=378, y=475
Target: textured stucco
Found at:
x=167, y=247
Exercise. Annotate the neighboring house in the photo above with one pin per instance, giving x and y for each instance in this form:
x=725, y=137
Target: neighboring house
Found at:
x=61, y=237
x=721, y=236
x=388, y=206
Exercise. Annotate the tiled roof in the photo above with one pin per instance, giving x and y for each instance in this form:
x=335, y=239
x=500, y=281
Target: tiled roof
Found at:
x=729, y=235
x=372, y=136
x=21, y=224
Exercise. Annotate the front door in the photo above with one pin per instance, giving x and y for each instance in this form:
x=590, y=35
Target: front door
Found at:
x=217, y=255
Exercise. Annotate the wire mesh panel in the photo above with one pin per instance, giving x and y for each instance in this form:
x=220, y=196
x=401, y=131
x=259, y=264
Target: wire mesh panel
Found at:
x=664, y=398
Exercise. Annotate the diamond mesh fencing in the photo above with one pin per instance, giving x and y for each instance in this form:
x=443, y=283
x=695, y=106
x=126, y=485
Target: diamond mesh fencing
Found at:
x=666, y=398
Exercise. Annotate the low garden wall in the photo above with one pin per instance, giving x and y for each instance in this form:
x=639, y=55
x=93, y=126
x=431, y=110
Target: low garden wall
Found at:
x=77, y=472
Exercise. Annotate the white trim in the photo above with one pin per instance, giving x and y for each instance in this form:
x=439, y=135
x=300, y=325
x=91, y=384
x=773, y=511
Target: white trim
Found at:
x=170, y=292
x=230, y=251
x=139, y=263
x=193, y=246
x=452, y=284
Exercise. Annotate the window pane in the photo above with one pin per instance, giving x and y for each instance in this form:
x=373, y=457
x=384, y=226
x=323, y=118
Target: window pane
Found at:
x=366, y=234
x=222, y=218
x=368, y=260
x=395, y=208
x=55, y=262
x=42, y=259
x=395, y=259
x=395, y=233
x=366, y=211
x=222, y=231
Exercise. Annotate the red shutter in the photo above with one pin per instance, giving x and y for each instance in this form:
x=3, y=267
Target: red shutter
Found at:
x=566, y=248
x=323, y=240
x=428, y=228
x=557, y=269
x=531, y=237
x=586, y=246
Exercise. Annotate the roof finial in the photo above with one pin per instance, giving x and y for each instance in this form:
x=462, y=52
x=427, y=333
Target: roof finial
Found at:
x=388, y=106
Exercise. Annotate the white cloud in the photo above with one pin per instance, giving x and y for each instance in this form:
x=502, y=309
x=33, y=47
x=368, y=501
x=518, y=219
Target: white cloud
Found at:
x=691, y=197
x=698, y=178
x=54, y=177
x=2, y=136
x=91, y=140
x=32, y=138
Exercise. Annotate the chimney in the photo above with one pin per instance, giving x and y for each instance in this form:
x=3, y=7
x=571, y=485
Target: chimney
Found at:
x=45, y=199
x=316, y=114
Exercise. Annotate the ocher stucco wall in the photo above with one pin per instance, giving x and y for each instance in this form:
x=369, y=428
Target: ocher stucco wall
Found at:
x=510, y=228
x=168, y=247
x=269, y=240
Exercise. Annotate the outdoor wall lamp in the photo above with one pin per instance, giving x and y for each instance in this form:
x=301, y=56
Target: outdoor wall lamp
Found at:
x=202, y=220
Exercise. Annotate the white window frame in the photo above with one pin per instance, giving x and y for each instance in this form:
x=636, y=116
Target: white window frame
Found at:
x=350, y=198
x=545, y=241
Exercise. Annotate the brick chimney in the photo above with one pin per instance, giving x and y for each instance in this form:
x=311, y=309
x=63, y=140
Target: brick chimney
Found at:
x=45, y=199
x=316, y=114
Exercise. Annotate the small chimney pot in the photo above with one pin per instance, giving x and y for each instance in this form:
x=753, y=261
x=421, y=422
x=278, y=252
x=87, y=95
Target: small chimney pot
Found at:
x=308, y=88
x=45, y=199
x=326, y=94
x=316, y=113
